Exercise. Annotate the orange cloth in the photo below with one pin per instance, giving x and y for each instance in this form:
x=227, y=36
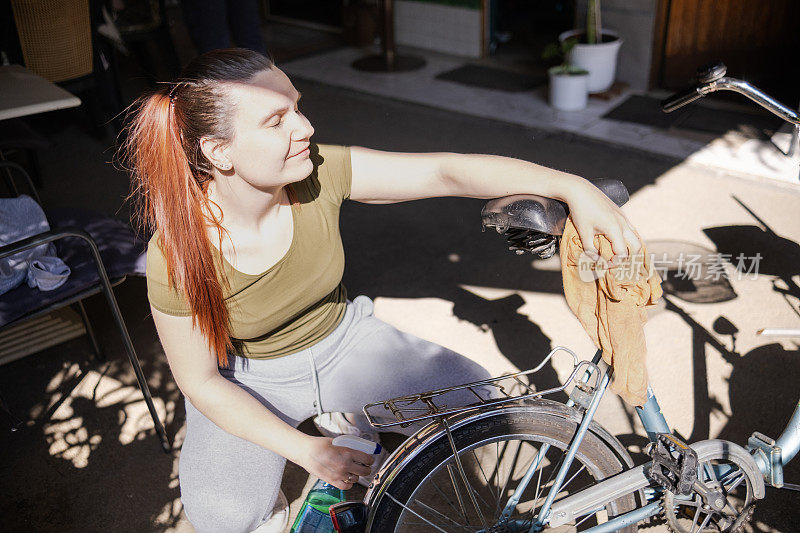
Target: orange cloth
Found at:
x=610, y=305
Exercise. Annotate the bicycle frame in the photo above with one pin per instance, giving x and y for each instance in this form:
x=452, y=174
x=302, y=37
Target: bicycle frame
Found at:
x=654, y=423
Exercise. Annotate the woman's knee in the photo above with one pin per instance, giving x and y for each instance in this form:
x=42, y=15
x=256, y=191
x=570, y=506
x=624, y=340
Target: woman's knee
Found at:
x=456, y=368
x=227, y=484
x=219, y=513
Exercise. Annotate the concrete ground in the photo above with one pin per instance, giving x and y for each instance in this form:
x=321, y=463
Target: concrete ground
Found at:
x=95, y=465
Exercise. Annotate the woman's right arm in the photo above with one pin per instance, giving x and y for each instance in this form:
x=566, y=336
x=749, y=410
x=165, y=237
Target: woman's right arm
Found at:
x=233, y=409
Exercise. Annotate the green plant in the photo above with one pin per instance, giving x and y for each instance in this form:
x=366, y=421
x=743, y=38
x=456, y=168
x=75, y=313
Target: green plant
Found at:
x=560, y=51
x=593, y=27
x=567, y=70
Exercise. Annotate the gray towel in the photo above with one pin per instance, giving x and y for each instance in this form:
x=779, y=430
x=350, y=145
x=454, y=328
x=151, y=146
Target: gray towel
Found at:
x=22, y=217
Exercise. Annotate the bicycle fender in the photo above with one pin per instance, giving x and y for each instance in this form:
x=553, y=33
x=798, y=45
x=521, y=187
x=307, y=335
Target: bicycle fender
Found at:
x=434, y=431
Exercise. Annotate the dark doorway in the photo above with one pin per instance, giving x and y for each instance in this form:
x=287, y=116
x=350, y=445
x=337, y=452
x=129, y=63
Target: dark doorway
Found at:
x=756, y=40
x=520, y=29
x=324, y=12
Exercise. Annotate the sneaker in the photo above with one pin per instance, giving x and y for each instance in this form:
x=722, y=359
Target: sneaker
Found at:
x=334, y=424
x=279, y=519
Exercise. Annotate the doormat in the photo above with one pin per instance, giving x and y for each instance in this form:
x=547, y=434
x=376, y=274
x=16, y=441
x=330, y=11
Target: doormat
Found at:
x=492, y=78
x=647, y=110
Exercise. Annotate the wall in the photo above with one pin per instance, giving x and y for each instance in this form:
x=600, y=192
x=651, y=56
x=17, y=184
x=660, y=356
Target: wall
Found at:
x=634, y=20
x=449, y=26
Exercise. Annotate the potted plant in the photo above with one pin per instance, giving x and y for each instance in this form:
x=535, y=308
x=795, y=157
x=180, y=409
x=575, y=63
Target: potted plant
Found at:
x=596, y=50
x=567, y=82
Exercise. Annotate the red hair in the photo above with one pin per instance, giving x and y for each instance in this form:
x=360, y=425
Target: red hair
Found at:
x=171, y=176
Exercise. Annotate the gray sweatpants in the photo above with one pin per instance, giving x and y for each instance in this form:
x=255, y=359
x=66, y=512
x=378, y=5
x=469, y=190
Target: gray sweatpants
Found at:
x=229, y=484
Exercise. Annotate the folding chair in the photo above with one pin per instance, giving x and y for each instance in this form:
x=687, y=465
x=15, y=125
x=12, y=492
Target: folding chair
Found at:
x=101, y=252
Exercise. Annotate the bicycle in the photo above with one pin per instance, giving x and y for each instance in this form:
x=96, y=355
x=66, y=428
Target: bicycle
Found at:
x=480, y=467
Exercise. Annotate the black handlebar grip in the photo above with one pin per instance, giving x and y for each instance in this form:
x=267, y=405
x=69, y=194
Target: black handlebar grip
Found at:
x=680, y=99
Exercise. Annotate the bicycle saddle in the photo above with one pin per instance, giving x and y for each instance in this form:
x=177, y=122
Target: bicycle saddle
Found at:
x=533, y=223
x=531, y=212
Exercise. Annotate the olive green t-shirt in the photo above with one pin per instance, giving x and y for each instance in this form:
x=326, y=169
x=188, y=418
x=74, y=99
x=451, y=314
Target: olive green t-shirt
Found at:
x=299, y=300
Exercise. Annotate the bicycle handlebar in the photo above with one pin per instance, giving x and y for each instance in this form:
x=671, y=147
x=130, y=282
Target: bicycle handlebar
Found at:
x=712, y=78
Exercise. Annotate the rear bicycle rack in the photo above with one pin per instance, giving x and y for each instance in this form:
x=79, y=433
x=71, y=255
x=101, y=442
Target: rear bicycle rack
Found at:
x=505, y=389
x=514, y=388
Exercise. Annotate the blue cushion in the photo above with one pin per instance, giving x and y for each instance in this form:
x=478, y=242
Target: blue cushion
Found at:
x=123, y=254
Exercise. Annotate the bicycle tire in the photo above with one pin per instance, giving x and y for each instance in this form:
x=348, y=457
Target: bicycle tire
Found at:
x=599, y=459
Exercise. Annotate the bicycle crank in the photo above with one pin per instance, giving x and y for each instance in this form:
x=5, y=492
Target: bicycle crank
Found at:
x=736, y=475
x=721, y=498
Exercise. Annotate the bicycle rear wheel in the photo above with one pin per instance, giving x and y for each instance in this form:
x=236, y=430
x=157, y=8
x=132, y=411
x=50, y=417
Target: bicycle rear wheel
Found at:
x=429, y=494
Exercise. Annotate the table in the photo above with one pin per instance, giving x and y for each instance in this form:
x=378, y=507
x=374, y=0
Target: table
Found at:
x=24, y=93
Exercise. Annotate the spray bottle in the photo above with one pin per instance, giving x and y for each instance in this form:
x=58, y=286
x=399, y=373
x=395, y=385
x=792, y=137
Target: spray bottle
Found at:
x=313, y=516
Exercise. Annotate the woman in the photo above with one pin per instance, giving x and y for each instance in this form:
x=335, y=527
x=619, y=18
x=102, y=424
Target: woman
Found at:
x=244, y=276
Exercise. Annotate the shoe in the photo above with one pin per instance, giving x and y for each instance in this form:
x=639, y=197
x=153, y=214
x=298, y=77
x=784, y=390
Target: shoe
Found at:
x=334, y=424
x=279, y=519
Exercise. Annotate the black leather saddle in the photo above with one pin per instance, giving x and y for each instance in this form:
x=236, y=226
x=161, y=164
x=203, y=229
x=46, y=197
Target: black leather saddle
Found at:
x=531, y=223
x=540, y=214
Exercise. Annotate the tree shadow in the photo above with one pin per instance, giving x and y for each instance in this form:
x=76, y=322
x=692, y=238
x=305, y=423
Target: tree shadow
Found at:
x=88, y=465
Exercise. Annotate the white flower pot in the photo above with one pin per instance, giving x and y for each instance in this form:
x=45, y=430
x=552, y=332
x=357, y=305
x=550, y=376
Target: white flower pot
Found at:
x=599, y=59
x=568, y=91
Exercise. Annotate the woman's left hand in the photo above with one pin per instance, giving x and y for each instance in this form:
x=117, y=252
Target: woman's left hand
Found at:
x=595, y=213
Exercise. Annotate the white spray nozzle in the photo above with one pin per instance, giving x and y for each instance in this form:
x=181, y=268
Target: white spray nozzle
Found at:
x=357, y=443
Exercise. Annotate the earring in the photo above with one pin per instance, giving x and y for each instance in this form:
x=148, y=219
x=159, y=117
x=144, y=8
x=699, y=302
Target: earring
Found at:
x=226, y=166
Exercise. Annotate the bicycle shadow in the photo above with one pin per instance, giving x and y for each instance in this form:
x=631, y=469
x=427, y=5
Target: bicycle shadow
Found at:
x=762, y=394
x=777, y=256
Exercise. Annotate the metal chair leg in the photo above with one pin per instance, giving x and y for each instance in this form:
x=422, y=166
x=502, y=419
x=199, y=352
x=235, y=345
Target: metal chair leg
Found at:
x=98, y=352
x=137, y=368
x=16, y=423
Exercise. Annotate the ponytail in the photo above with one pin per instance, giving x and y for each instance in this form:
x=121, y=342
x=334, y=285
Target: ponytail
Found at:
x=173, y=200
x=171, y=175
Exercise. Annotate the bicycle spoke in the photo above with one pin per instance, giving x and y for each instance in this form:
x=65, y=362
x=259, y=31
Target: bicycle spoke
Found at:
x=415, y=513
x=480, y=467
x=443, y=495
x=473, y=493
x=549, y=478
x=478, y=494
x=463, y=473
x=584, y=519
x=434, y=511
x=564, y=486
x=458, y=494
x=501, y=490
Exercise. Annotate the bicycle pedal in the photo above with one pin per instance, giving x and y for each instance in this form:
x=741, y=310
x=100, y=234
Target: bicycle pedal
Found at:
x=674, y=464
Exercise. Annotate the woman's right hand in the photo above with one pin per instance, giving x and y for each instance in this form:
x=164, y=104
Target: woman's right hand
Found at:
x=335, y=464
